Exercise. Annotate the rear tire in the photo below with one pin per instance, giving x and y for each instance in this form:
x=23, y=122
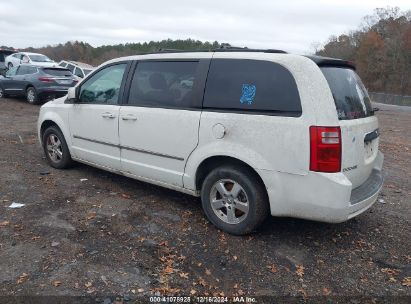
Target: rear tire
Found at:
x=234, y=199
x=10, y=65
x=31, y=96
x=56, y=149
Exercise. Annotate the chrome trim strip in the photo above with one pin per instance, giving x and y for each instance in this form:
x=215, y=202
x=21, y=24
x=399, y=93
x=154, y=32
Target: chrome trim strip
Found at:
x=129, y=148
x=96, y=141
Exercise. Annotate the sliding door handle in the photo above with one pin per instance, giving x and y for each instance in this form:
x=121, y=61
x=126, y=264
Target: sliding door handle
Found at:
x=129, y=117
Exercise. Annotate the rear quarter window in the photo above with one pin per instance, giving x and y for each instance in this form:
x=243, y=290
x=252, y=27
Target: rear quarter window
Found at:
x=350, y=96
x=251, y=86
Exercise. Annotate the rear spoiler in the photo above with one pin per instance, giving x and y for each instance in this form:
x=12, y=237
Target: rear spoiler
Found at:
x=332, y=62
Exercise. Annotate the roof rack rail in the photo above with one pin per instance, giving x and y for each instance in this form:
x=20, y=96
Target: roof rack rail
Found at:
x=226, y=48
x=171, y=50
x=223, y=48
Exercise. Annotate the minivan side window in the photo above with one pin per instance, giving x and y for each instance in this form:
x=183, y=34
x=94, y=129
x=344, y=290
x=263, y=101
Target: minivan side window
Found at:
x=251, y=86
x=167, y=84
x=104, y=86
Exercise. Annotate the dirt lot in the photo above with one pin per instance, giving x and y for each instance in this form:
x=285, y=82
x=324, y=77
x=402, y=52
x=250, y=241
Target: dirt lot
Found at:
x=111, y=236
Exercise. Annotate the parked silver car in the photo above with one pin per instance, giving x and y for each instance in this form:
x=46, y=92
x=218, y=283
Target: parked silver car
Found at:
x=29, y=58
x=36, y=83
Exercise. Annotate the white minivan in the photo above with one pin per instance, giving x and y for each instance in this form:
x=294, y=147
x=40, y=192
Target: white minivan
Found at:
x=252, y=133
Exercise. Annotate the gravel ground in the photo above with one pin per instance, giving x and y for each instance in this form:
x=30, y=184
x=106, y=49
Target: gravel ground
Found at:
x=110, y=236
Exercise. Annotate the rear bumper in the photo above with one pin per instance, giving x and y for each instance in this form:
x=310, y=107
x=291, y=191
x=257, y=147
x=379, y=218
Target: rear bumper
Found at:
x=52, y=91
x=325, y=197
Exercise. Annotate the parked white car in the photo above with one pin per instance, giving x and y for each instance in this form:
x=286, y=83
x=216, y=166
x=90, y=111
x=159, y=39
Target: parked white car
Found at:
x=79, y=69
x=40, y=60
x=251, y=133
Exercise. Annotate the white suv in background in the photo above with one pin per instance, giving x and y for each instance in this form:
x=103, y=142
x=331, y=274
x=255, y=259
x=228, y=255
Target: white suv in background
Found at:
x=252, y=133
x=29, y=58
x=79, y=69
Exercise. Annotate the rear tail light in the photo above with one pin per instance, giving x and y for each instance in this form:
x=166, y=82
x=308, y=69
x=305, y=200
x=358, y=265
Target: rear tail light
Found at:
x=325, y=149
x=46, y=79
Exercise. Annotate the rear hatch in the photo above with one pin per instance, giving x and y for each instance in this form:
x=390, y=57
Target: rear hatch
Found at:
x=359, y=126
x=62, y=77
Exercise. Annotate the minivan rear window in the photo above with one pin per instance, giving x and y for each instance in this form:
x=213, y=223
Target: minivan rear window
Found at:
x=350, y=95
x=259, y=86
x=58, y=72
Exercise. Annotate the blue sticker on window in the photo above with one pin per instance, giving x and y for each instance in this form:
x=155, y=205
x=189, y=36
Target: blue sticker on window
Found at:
x=248, y=93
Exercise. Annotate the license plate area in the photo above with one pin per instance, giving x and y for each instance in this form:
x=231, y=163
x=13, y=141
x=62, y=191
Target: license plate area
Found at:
x=63, y=81
x=369, y=150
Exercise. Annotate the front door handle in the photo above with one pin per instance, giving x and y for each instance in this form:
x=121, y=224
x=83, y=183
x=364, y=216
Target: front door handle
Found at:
x=129, y=117
x=108, y=115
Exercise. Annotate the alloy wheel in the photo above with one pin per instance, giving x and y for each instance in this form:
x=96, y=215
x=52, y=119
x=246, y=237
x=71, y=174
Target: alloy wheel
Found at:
x=31, y=96
x=229, y=201
x=54, y=148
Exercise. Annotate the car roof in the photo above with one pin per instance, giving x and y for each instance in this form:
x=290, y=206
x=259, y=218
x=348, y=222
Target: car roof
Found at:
x=29, y=53
x=236, y=53
x=79, y=64
x=7, y=52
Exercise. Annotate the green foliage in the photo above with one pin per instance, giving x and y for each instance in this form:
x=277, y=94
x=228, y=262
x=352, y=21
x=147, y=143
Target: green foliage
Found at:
x=380, y=48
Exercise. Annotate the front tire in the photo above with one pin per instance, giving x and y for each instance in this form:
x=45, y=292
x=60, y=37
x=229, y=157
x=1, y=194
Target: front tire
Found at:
x=234, y=199
x=56, y=149
x=10, y=65
x=32, y=96
x=2, y=93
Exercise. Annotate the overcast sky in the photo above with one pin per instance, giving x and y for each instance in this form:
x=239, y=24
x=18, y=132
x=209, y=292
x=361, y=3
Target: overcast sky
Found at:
x=292, y=25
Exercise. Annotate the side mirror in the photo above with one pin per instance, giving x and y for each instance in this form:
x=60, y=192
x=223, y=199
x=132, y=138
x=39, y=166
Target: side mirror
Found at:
x=71, y=95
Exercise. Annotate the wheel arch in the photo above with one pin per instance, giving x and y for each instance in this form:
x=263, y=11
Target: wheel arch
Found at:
x=46, y=124
x=212, y=162
x=53, y=120
x=29, y=85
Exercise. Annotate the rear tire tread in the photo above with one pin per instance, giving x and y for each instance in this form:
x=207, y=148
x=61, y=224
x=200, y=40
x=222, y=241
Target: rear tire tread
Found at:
x=36, y=98
x=256, y=191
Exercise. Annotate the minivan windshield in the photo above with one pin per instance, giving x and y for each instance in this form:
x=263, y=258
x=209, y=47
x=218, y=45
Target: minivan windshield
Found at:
x=39, y=58
x=350, y=96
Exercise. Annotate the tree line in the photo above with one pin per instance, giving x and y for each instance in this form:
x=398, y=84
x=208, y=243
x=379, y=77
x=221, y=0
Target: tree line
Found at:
x=84, y=52
x=380, y=49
